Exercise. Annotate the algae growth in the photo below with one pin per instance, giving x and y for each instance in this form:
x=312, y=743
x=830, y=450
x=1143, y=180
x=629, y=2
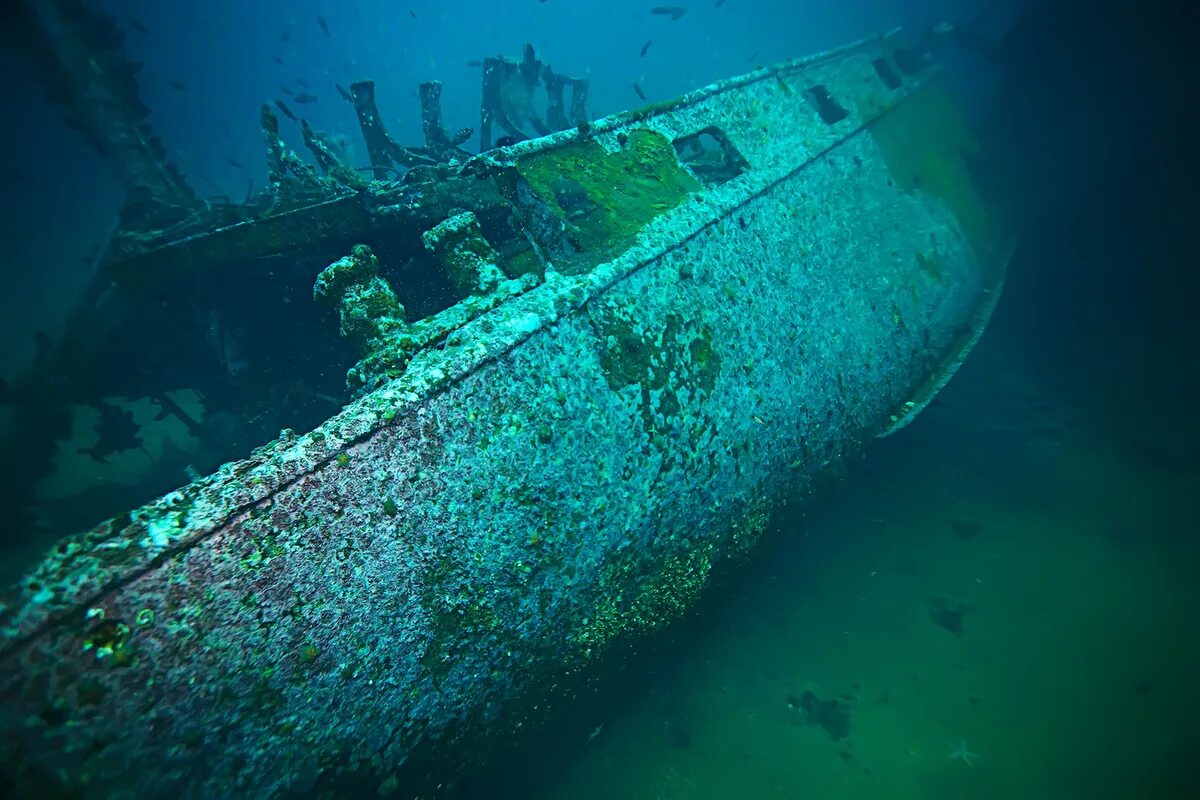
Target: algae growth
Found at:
x=609, y=197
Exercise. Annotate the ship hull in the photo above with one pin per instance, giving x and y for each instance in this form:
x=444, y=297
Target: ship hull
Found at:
x=558, y=475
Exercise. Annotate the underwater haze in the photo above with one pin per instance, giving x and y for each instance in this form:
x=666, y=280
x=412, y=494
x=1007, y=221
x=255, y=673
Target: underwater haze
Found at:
x=854, y=455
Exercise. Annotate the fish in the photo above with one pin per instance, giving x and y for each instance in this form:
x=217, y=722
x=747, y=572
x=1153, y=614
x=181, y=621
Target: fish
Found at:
x=137, y=25
x=474, y=63
x=719, y=3
x=753, y=56
x=277, y=60
x=345, y=95
x=674, y=12
x=226, y=347
x=302, y=83
x=412, y=13
x=305, y=97
x=179, y=86
x=233, y=163
x=638, y=89
x=287, y=112
x=286, y=91
x=646, y=47
x=324, y=26
x=286, y=36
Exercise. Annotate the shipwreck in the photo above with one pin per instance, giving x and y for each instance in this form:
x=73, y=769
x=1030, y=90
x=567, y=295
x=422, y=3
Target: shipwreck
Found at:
x=584, y=367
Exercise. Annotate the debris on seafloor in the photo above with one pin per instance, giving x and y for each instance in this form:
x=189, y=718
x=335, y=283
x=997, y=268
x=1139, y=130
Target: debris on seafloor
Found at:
x=832, y=715
x=966, y=529
x=947, y=614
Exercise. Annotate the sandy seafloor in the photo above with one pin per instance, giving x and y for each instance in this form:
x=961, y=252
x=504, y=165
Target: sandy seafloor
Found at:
x=1075, y=674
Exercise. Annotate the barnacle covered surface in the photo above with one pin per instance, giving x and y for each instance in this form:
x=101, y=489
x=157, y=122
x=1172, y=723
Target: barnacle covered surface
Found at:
x=562, y=472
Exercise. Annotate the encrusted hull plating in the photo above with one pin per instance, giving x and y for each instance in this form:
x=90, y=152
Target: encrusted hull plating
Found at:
x=561, y=472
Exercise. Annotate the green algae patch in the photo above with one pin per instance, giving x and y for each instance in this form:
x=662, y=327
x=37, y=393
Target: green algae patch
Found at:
x=927, y=145
x=607, y=198
x=643, y=589
x=641, y=593
x=650, y=358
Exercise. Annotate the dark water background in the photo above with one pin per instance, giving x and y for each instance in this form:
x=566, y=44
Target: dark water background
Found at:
x=1015, y=571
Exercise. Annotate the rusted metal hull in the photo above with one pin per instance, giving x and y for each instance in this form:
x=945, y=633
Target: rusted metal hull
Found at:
x=560, y=473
